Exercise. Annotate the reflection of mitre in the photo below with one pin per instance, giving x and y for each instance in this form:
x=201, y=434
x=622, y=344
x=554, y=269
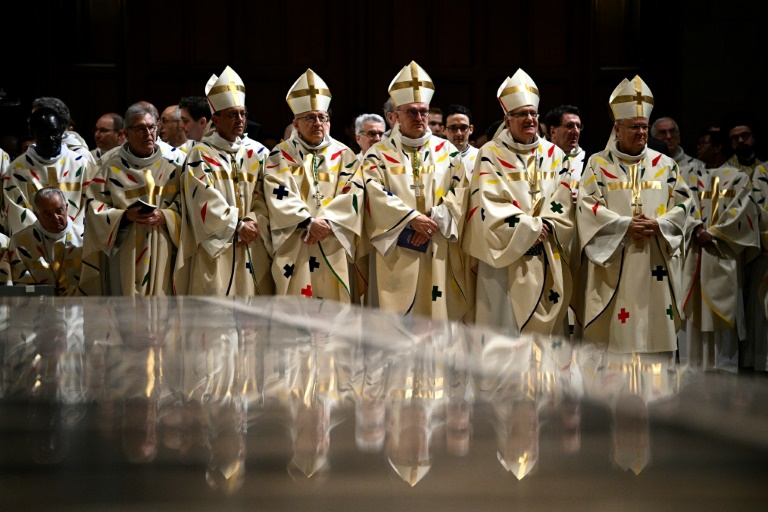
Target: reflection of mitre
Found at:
x=518, y=437
x=631, y=443
x=631, y=99
x=411, y=85
x=225, y=91
x=518, y=90
x=309, y=464
x=412, y=473
x=307, y=93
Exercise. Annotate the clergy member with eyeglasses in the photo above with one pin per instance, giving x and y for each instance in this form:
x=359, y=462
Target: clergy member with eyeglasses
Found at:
x=225, y=247
x=314, y=191
x=133, y=215
x=520, y=220
x=415, y=186
x=631, y=213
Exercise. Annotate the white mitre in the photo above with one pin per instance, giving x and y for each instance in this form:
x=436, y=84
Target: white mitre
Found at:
x=225, y=91
x=411, y=85
x=308, y=93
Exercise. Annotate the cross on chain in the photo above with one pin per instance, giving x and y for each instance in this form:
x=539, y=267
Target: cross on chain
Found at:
x=318, y=197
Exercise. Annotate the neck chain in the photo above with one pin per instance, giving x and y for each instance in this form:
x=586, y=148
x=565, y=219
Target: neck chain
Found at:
x=318, y=195
x=416, y=163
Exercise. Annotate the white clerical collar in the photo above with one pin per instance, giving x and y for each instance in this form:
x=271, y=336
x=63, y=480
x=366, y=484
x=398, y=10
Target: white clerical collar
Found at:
x=575, y=152
x=507, y=138
x=466, y=150
x=220, y=142
x=309, y=147
x=37, y=156
x=53, y=236
x=139, y=161
x=679, y=155
x=414, y=143
x=629, y=158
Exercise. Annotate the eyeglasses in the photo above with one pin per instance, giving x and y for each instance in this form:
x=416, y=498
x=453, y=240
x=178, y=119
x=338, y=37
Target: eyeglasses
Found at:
x=572, y=126
x=235, y=114
x=524, y=115
x=143, y=128
x=635, y=127
x=414, y=114
x=372, y=134
x=103, y=130
x=315, y=118
x=457, y=128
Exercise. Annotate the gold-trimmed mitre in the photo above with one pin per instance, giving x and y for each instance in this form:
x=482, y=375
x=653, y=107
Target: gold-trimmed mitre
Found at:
x=518, y=90
x=308, y=93
x=631, y=99
x=411, y=85
x=225, y=91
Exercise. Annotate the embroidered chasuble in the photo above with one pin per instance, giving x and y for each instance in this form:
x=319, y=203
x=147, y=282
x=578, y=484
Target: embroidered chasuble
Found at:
x=69, y=171
x=756, y=279
x=632, y=288
x=713, y=275
x=302, y=183
x=137, y=259
x=222, y=184
x=515, y=189
x=35, y=256
x=402, y=182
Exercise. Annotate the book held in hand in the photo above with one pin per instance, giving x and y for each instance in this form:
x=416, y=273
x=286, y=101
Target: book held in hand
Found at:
x=404, y=240
x=144, y=207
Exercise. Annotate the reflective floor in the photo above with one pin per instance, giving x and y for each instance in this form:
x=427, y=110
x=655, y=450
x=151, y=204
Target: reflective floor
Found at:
x=293, y=404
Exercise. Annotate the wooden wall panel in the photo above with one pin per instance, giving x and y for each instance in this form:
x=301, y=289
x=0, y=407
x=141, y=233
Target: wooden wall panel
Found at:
x=100, y=56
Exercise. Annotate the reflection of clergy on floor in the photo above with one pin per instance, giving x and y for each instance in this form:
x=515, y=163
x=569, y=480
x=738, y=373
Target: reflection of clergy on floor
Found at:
x=369, y=378
x=43, y=365
x=627, y=384
x=460, y=389
x=137, y=380
x=416, y=399
x=318, y=376
x=522, y=377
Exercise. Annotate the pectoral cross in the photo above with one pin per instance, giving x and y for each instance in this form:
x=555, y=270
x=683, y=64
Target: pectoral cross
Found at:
x=318, y=197
x=416, y=187
x=533, y=182
x=637, y=204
